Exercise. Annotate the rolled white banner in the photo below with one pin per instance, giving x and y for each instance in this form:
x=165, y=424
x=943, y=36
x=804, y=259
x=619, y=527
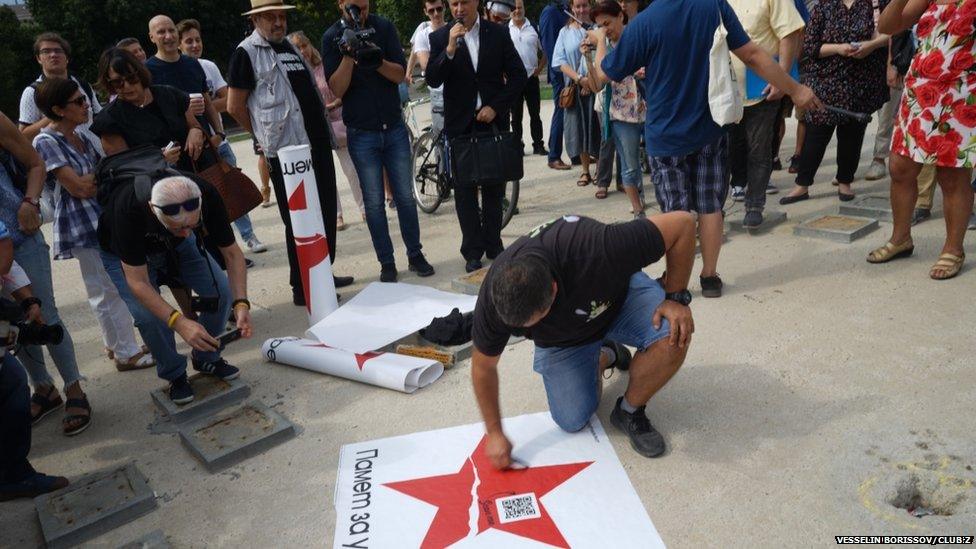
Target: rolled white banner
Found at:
x=308, y=229
x=389, y=370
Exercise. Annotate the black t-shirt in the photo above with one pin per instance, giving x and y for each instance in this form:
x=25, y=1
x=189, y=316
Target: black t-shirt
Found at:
x=185, y=74
x=130, y=230
x=241, y=75
x=591, y=263
x=372, y=102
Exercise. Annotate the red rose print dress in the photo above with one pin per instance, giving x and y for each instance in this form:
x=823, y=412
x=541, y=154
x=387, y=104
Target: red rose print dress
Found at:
x=937, y=117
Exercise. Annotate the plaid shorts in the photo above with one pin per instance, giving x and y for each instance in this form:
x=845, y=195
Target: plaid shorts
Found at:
x=696, y=182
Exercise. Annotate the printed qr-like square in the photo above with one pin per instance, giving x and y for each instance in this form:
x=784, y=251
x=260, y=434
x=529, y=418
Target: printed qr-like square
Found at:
x=517, y=508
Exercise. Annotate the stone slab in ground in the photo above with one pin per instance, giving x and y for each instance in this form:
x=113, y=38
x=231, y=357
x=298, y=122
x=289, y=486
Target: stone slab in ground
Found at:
x=771, y=218
x=871, y=206
x=153, y=540
x=93, y=505
x=210, y=396
x=235, y=435
x=469, y=284
x=839, y=228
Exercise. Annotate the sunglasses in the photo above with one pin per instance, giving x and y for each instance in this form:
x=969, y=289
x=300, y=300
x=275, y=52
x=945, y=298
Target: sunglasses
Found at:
x=438, y=9
x=81, y=101
x=170, y=210
x=116, y=84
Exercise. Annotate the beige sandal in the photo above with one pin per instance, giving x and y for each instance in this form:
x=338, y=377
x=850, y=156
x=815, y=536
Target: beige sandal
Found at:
x=140, y=361
x=891, y=251
x=948, y=264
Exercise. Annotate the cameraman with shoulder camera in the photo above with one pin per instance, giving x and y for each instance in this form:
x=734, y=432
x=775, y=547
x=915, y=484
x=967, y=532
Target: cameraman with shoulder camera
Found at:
x=17, y=478
x=145, y=239
x=364, y=63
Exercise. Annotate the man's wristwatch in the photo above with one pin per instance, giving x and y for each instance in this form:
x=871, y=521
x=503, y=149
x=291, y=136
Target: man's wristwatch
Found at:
x=36, y=202
x=683, y=297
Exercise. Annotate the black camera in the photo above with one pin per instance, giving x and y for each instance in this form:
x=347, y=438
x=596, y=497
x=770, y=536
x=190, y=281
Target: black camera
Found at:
x=15, y=330
x=355, y=42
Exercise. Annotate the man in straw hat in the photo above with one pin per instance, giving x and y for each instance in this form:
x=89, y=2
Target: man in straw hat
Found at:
x=272, y=94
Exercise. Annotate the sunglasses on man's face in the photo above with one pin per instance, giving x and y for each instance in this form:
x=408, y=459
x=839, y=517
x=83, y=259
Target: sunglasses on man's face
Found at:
x=116, y=84
x=438, y=9
x=80, y=101
x=170, y=210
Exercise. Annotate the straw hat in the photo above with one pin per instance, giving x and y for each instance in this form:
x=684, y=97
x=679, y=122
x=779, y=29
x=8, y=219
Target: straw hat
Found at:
x=261, y=6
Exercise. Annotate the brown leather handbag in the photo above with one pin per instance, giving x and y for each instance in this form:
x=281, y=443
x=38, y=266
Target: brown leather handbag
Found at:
x=239, y=193
x=567, y=96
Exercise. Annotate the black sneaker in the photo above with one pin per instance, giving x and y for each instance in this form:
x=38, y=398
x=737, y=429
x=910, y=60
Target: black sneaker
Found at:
x=31, y=487
x=643, y=437
x=180, y=391
x=388, y=272
x=343, y=281
x=920, y=215
x=248, y=263
x=218, y=368
x=297, y=297
x=753, y=219
x=419, y=265
x=622, y=354
x=472, y=265
x=540, y=150
x=777, y=164
x=711, y=286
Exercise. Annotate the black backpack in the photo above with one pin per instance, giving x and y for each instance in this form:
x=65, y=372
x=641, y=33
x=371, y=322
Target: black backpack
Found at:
x=141, y=167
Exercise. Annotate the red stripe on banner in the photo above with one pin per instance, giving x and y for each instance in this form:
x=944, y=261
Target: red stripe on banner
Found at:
x=297, y=201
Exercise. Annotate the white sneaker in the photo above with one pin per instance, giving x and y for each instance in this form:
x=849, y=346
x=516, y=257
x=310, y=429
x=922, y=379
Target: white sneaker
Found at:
x=972, y=222
x=771, y=189
x=877, y=170
x=738, y=194
x=255, y=246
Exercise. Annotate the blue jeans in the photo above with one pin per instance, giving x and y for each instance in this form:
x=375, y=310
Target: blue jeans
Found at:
x=556, y=126
x=627, y=136
x=371, y=153
x=34, y=256
x=242, y=223
x=15, y=421
x=201, y=275
x=571, y=374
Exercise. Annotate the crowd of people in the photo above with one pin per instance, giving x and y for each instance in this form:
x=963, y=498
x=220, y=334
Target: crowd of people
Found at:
x=627, y=90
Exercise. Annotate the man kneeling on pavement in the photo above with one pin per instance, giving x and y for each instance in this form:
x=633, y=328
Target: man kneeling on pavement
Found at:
x=575, y=287
x=144, y=242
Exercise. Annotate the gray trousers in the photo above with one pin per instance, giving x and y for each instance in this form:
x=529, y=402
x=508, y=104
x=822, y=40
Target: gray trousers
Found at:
x=886, y=124
x=749, y=160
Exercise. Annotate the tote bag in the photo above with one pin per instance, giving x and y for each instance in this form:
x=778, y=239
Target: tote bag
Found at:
x=724, y=100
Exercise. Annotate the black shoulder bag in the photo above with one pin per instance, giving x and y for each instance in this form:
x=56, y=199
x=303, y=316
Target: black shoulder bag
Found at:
x=486, y=158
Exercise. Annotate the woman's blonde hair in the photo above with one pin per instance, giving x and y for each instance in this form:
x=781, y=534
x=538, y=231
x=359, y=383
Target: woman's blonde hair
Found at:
x=299, y=36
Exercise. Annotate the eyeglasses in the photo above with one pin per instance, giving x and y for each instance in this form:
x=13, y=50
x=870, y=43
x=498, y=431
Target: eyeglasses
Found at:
x=438, y=9
x=51, y=51
x=116, y=84
x=81, y=101
x=170, y=210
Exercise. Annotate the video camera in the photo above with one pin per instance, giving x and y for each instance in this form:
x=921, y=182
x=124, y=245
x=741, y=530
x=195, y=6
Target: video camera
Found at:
x=355, y=42
x=14, y=329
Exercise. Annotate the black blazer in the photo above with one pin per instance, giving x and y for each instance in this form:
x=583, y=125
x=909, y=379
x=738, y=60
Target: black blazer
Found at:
x=499, y=79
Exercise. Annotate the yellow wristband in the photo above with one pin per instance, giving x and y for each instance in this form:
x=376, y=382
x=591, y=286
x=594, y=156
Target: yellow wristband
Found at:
x=173, y=317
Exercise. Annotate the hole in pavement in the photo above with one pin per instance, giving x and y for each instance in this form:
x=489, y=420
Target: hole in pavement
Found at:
x=922, y=497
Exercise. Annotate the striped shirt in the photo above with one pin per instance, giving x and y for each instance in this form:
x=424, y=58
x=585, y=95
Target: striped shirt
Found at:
x=75, y=219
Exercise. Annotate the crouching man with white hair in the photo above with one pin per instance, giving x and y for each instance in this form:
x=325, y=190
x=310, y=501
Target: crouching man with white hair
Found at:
x=143, y=243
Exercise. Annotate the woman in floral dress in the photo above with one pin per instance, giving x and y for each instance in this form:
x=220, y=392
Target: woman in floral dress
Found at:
x=936, y=123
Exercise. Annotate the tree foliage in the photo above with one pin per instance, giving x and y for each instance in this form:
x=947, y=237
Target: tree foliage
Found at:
x=17, y=65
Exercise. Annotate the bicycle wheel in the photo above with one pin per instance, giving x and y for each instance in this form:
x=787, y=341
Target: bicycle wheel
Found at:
x=510, y=202
x=426, y=173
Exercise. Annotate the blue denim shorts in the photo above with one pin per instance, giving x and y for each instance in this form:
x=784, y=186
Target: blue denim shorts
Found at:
x=570, y=374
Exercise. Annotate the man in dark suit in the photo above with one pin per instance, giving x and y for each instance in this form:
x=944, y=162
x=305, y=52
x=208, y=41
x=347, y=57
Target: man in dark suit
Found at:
x=482, y=76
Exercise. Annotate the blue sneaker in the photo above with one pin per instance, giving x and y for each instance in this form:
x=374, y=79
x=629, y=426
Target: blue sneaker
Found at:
x=31, y=487
x=738, y=194
x=180, y=391
x=218, y=368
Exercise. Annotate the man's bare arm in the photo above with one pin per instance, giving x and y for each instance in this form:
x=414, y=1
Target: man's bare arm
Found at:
x=237, y=107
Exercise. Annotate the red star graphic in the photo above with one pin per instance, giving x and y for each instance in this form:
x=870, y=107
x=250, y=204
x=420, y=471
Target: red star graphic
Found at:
x=360, y=358
x=451, y=494
x=297, y=200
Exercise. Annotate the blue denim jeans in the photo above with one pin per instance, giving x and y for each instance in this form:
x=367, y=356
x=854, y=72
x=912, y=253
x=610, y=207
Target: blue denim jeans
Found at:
x=571, y=374
x=34, y=256
x=556, y=125
x=201, y=275
x=15, y=421
x=371, y=153
x=242, y=223
x=627, y=138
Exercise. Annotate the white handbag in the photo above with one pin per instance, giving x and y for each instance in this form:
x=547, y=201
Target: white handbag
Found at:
x=724, y=99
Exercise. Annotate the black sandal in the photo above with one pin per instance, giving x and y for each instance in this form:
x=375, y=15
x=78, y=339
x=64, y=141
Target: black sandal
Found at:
x=85, y=420
x=47, y=405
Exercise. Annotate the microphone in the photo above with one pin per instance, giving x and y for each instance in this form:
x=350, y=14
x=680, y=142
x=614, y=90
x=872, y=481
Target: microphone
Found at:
x=460, y=39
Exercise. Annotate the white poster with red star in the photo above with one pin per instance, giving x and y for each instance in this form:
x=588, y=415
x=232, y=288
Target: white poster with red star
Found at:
x=438, y=489
x=308, y=229
x=390, y=370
